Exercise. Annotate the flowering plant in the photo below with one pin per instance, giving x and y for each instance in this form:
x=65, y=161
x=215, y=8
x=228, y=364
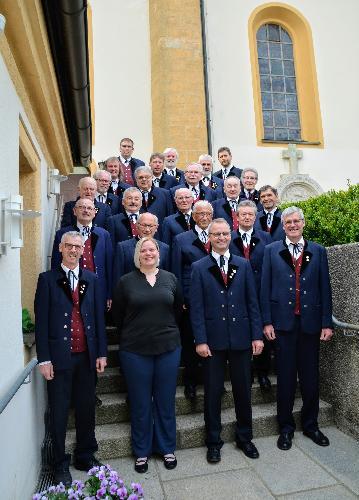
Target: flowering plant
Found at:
x=103, y=483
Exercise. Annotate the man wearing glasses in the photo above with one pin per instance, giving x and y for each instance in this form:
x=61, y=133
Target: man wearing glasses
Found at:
x=147, y=225
x=249, y=179
x=71, y=347
x=226, y=325
x=182, y=220
x=296, y=306
x=210, y=180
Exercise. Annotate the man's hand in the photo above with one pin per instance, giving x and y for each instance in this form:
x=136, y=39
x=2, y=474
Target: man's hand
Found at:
x=47, y=371
x=203, y=350
x=257, y=347
x=268, y=331
x=101, y=364
x=109, y=304
x=326, y=334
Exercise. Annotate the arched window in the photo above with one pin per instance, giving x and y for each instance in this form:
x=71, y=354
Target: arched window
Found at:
x=278, y=86
x=285, y=88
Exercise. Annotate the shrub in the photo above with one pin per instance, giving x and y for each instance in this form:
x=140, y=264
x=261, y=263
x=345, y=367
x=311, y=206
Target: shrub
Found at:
x=27, y=324
x=331, y=218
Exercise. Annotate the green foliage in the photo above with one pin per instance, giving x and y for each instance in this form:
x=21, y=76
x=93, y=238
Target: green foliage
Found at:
x=27, y=324
x=331, y=218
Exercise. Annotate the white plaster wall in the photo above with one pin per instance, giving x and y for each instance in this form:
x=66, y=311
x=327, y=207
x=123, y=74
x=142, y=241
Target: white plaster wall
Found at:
x=336, y=49
x=21, y=424
x=122, y=67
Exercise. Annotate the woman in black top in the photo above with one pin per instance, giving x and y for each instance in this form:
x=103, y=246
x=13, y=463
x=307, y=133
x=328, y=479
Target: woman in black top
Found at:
x=147, y=306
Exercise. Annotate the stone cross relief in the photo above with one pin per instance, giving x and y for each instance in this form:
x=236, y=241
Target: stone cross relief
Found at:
x=293, y=155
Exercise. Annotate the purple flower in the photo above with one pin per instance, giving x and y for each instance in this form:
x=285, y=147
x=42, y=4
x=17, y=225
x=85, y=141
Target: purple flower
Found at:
x=60, y=488
x=37, y=496
x=113, y=475
x=122, y=493
x=101, y=475
x=133, y=497
x=101, y=492
x=93, y=471
x=104, y=483
x=113, y=489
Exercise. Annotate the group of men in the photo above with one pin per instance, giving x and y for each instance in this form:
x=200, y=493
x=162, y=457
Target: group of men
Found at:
x=245, y=270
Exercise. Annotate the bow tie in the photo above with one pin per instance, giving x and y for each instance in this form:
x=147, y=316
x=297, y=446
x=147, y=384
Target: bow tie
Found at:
x=296, y=248
x=86, y=231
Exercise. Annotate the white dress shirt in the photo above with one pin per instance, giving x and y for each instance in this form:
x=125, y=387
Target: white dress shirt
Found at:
x=226, y=260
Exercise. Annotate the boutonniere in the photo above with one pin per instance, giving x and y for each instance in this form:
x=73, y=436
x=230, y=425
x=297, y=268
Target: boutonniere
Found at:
x=307, y=258
x=233, y=272
x=214, y=185
x=82, y=288
x=96, y=210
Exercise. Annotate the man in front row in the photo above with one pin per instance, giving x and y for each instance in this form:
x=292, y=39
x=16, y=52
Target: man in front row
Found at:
x=71, y=346
x=296, y=309
x=227, y=325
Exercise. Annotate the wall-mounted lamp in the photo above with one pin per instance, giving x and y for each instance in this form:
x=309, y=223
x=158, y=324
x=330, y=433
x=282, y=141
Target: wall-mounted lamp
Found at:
x=11, y=221
x=54, y=181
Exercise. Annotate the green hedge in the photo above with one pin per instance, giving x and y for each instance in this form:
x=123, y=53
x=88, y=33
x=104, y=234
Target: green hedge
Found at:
x=331, y=218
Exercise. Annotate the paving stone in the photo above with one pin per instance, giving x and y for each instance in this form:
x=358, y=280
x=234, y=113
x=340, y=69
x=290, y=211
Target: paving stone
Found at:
x=331, y=493
x=289, y=471
x=192, y=462
x=242, y=484
x=341, y=458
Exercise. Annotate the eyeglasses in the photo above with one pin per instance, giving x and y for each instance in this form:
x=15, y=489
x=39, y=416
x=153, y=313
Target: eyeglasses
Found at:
x=223, y=233
x=250, y=178
x=294, y=221
x=70, y=246
x=206, y=164
x=83, y=207
x=180, y=198
x=147, y=226
x=203, y=214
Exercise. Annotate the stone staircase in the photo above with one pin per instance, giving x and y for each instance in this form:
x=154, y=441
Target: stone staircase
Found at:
x=112, y=418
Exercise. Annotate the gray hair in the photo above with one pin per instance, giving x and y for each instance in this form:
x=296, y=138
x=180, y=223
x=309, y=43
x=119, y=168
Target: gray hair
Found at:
x=220, y=220
x=247, y=203
x=143, y=169
x=112, y=158
x=249, y=169
x=202, y=204
x=72, y=234
x=130, y=190
x=290, y=211
x=86, y=179
x=194, y=164
x=155, y=218
x=171, y=150
x=205, y=157
x=136, y=257
x=183, y=190
x=100, y=173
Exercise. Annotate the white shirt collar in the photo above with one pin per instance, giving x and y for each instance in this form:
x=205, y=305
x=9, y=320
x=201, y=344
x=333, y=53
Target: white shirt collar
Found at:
x=199, y=230
x=288, y=242
x=75, y=271
x=80, y=226
x=101, y=194
x=270, y=211
x=248, y=233
x=226, y=258
x=123, y=160
x=236, y=199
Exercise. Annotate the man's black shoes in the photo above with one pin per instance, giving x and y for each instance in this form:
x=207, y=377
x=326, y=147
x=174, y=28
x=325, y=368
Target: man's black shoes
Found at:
x=248, y=449
x=190, y=391
x=213, y=455
x=285, y=441
x=317, y=437
x=86, y=465
x=264, y=383
x=63, y=476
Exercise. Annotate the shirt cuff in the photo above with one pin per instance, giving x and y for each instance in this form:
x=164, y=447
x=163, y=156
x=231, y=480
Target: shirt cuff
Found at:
x=44, y=363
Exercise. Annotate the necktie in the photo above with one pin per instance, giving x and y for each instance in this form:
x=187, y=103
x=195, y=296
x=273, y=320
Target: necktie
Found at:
x=170, y=171
x=156, y=181
x=133, y=218
x=205, y=181
x=224, y=173
x=187, y=217
x=86, y=231
x=145, y=196
x=102, y=198
x=72, y=278
x=233, y=204
x=269, y=219
x=195, y=192
x=222, y=263
x=126, y=162
x=296, y=249
x=244, y=238
x=204, y=237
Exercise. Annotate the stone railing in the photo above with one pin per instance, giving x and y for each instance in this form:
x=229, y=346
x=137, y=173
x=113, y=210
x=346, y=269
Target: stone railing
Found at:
x=340, y=357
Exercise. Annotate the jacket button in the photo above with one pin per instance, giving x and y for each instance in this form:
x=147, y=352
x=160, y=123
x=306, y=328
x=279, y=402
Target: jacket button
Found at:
x=305, y=305
x=65, y=326
x=88, y=327
x=65, y=338
x=303, y=279
x=222, y=305
x=232, y=305
x=289, y=303
x=290, y=289
x=222, y=291
x=291, y=275
x=304, y=292
x=234, y=319
x=224, y=319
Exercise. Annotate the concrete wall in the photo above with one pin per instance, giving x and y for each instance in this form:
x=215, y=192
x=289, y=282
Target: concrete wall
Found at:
x=21, y=424
x=231, y=94
x=340, y=357
x=122, y=76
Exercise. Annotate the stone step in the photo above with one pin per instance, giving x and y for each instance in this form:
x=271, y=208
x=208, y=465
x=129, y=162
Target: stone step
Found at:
x=114, y=439
x=115, y=409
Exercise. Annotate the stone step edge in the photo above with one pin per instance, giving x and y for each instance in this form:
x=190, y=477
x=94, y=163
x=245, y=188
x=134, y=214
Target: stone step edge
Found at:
x=114, y=439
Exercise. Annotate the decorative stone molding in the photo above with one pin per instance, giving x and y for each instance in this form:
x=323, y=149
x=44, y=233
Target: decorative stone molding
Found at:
x=297, y=187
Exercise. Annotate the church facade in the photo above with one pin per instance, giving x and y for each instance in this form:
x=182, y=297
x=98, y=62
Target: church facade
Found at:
x=251, y=75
